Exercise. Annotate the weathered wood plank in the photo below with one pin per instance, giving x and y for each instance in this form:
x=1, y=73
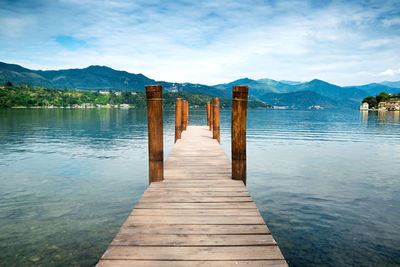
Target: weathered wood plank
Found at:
x=172, y=193
x=197, y=219
x=194, y=212
x=193, y=253
x=189, y=199
x=194, y=229
x=199, y=189
x=197, y=183
x=232, y=205
x=182, y=240
x=169, y=263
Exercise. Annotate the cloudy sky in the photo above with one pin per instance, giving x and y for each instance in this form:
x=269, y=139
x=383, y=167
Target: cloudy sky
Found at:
x=343, y=42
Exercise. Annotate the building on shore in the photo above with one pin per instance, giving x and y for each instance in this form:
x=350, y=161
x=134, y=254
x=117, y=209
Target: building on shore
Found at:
x=393, y=106
x=382, y=105
x=364, y=106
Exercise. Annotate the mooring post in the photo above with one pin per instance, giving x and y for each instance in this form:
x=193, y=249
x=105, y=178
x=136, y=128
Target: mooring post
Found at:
x=187, y=114
x=238, y=132
x=155, y=132
x=178, y=119
x=208, y=113
x=215, y=106
x=211, y=116
x=184, y=115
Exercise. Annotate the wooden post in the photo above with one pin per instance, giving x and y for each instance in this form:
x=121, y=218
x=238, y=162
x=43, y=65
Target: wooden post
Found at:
x=239, y=111
x=184, y=115
x=178, y=118
x=211, y=116
x=208, y=113
x=155, y=131
x=215, y=106
x=187, y=114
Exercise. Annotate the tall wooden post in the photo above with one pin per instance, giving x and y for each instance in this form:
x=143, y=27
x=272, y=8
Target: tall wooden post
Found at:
x=184, y=115
x=155, y=131
x=211, y=116
x=187, y=114
x=215, y=106
x=239, y=112
x=208, y=113
x=178, y=118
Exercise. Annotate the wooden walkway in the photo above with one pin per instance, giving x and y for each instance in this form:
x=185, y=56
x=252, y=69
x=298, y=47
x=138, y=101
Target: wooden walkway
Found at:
x=197, y=216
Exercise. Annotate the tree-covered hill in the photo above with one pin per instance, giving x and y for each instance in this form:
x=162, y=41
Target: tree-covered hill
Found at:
x=29, y=96
x=95, y=78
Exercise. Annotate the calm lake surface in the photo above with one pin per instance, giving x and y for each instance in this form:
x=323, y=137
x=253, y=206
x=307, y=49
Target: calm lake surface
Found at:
x=326, y=182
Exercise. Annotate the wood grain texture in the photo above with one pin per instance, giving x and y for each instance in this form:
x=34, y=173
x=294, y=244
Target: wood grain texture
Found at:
x=195, y=212
x=182, y=240
x=194, y=229
x=196, y=216
x=155, y=132
x=193, y=253
x=160, y=263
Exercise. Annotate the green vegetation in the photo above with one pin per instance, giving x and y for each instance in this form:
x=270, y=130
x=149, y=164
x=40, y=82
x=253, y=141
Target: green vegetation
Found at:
x=29, y=96
x=373, y=101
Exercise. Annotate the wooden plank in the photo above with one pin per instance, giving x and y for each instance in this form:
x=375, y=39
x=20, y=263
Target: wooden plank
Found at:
x=169, y=263
x=196, y=212
x=170, y=193
x=198, y=189
x=232, y=205
x=193, y=253
x=191, y=184
x=191, y=177
x=199, y=183
x=208, y=182
x=197, y=219
x=192, y=229
x=190, y=199
x=181, y=240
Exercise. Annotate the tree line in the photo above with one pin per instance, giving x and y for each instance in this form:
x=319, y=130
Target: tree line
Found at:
x=373, y=101
x=32, y=96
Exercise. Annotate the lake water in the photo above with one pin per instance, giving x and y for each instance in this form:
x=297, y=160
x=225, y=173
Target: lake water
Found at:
x=326, y=182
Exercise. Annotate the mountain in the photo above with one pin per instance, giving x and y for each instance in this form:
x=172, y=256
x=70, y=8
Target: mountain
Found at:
x=314, y=92
x=391, y=84
x=290, y=82
x=95, y=78
x=341, y=95
x=376, y=88
x=300, y=99
x=258, y=87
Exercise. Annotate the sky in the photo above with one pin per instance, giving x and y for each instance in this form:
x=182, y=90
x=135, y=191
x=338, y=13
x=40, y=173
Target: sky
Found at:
x=208, y=42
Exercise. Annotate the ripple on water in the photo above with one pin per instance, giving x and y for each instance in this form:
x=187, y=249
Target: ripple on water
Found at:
x=325, y=182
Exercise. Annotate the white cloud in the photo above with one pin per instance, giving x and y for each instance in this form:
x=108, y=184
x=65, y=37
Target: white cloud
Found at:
x=208, y=41
x=390, y=72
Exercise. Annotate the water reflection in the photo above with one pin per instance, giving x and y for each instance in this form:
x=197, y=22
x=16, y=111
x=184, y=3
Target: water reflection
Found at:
x=365, y=117
x=323, y=181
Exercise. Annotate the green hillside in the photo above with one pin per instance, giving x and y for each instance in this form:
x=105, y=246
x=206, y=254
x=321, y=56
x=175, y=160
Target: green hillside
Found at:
x=96, y=78
x=29, y=96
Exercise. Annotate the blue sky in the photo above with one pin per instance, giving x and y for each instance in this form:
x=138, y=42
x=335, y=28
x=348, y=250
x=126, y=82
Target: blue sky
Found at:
x=343, y=42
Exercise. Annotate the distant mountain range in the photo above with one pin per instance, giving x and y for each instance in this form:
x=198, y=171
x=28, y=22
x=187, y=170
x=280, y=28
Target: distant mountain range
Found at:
x=95, y=78
x=280, y=93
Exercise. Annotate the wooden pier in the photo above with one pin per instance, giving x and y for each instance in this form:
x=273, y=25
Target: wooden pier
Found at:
x=196, y=216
